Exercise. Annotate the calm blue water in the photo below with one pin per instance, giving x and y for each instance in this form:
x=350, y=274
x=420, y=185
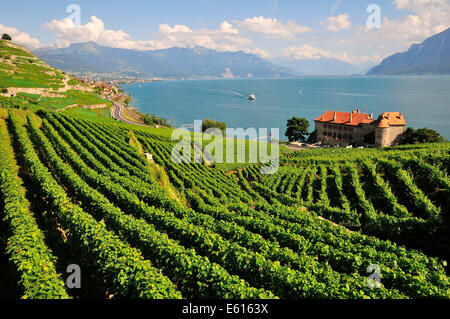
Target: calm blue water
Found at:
x=424, y=100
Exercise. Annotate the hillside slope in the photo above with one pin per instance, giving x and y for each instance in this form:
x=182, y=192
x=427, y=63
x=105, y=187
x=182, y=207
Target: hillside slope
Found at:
x=308, y=231
x=24, y=78
x=432, y=56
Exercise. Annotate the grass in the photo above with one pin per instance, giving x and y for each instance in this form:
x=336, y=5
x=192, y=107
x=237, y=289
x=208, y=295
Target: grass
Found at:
x=73, y=97
x=100, y=115
x=28, y=75
x=5, y=49
x=28, y=96
x=134, y=142
x=31, y=72
x=162, y=131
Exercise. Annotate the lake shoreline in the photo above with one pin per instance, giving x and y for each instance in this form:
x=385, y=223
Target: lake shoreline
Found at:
x=183, y=101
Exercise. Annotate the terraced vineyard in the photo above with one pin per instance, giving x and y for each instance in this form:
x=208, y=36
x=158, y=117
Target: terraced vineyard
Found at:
x=82, y=192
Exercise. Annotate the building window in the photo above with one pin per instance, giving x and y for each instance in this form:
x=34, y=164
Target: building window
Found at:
x=340, y=128
x=325, y=133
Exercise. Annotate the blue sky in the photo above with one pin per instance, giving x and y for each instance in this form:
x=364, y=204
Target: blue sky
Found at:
x=271, y=28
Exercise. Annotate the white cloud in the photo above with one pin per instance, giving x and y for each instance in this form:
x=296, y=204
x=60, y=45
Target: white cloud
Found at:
x=226, y=27
x=338, y=23
x=432, y=15
x=375, y=58
x=418, y=20
x=67, y=32
x=20, y=37
x=308, y=52
x=272, y=27
x=166, y=29
x=226, y=38
x=425, y=18
x=260, y=52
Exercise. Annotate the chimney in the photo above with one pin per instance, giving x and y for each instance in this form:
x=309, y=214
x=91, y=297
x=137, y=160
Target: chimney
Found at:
x=357, y=111
x=371, y=115
x=334, y=118
x=351, y=117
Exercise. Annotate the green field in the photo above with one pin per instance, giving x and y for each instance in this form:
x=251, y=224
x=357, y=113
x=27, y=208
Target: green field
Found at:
x=73, y=97
x=193, y=231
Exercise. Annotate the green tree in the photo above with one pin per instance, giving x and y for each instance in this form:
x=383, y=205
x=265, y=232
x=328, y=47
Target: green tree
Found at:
x=408, y=136
x=422, y=135
x=312, y=138
x=6, y=37
x=207, y=123
x=297, y=129
x=154, y=120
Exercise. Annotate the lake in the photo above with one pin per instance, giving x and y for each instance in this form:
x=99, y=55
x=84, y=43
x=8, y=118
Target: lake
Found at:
x=424, y=100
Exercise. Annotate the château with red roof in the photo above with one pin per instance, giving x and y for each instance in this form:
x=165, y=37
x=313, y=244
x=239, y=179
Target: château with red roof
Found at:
x=360, y=128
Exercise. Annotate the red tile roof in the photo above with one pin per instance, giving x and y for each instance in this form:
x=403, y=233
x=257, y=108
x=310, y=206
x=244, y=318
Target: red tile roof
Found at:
x=354, y=119
x=391, y=118
x=383, y=123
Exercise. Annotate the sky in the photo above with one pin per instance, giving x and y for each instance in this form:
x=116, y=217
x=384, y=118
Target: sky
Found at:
x=273, y=29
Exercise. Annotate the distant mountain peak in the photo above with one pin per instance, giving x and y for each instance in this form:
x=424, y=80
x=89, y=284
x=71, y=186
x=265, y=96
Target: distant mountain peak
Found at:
x=176, y=62
x=432, y=56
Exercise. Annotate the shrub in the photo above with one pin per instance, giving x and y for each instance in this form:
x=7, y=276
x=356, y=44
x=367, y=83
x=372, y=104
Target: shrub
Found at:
x=207, y=124
x=422, y=135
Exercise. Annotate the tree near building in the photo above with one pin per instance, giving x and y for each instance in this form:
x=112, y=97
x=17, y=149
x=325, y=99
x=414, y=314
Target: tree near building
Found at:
x=422, y=135
x=208, y=123
x=312, y=138
x=6, y=37
x=297, y=129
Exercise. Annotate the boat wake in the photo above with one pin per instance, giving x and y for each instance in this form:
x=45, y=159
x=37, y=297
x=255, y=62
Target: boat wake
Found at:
x=355, y=94
x=235, y=94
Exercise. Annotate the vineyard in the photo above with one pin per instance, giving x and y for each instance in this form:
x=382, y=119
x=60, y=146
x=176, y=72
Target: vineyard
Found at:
x=83, y=192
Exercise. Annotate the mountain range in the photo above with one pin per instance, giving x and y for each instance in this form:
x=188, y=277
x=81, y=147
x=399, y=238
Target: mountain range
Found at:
x=193, y=62
x=322, y=66
x=432, y=56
